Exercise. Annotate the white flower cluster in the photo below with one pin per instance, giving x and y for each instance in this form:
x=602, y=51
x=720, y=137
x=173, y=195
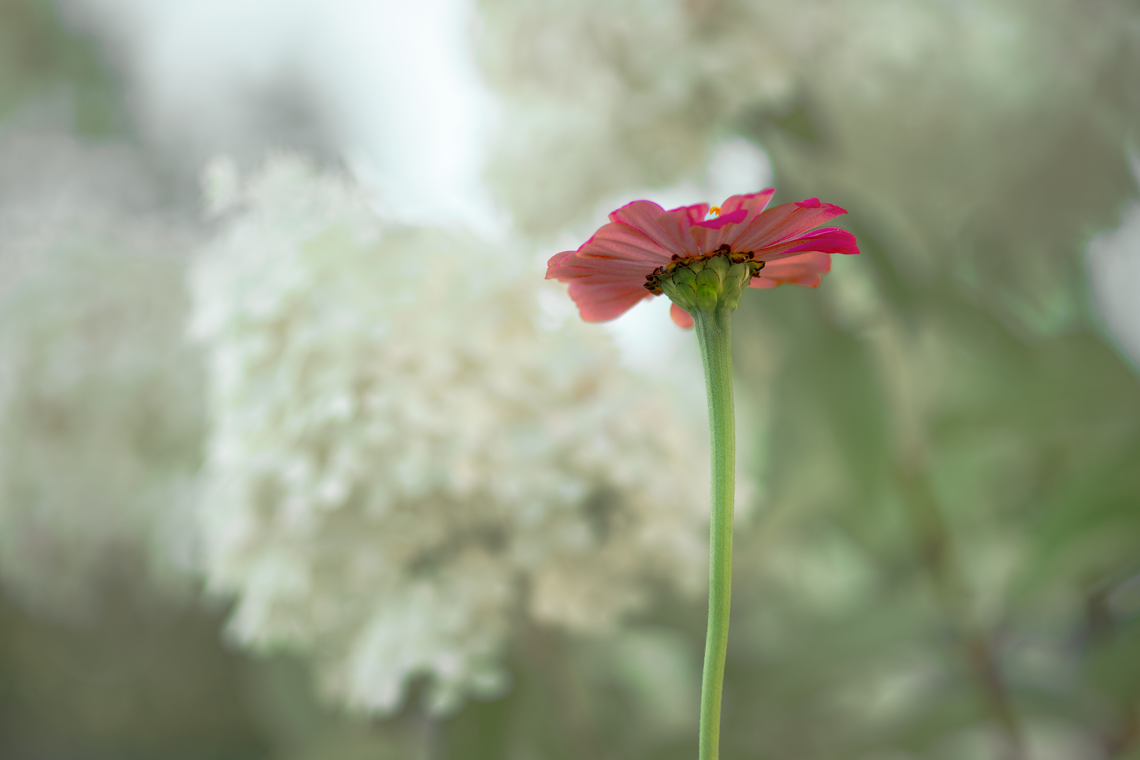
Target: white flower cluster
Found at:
x=405, y=459
x=101, y=398
x=599, y=98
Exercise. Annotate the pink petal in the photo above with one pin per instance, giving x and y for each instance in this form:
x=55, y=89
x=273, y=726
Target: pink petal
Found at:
x=711, y=234
x=753, y=203
x=583, y=265
x=804, y=269
x=783, y=222
x=642, y=216
x=575, y=266
x=739, y=238
x=594, y=277
x=620, y=241
x=597, y=303
x=736, y=217
x=823, y=240
x=675, y=223
x=681, y=318
x=556, y=261
x=607, y=274
x=614, y=249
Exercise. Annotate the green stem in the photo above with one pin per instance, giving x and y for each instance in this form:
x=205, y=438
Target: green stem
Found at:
x=713, y=334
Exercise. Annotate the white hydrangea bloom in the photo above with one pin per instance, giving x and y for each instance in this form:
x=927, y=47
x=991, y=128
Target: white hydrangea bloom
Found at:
x=599, y=98
x=404, y=458
x=101, y=398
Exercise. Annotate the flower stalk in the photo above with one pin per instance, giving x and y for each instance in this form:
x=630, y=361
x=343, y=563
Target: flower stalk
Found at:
x=709, y=291
x=703, y=265
x=714, y=336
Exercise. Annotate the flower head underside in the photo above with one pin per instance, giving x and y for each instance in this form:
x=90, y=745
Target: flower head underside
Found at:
x=626, y=260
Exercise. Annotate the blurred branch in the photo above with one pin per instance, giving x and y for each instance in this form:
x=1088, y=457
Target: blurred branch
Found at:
x=938, y=561
x=1127, y=737
x=434, y=742
x=542, y=649
x=1100, y=629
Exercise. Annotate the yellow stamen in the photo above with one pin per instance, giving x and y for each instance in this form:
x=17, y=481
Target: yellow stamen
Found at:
x=715, y=210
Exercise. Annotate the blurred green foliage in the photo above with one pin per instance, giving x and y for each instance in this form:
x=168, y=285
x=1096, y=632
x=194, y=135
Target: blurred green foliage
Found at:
x=40, y=57
x=130, y=683
x=951, y=422
x=945, y=557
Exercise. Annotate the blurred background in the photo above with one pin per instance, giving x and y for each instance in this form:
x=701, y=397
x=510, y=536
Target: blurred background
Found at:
x=300, y=458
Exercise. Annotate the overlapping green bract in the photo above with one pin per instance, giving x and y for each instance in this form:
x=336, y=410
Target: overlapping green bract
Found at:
x=708, y=285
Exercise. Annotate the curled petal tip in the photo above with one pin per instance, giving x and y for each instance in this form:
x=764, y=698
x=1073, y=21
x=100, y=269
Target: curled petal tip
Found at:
x=554, y=262
x=722, y=220
x=816, y=203
x=680, y=317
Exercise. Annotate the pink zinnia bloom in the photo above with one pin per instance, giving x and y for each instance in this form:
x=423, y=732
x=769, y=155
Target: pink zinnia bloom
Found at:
x=615, y=268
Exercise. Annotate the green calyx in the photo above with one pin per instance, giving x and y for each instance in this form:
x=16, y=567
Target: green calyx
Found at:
x=709, y=285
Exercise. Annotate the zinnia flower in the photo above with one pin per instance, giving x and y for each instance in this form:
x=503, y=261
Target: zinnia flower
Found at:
x=622, y=263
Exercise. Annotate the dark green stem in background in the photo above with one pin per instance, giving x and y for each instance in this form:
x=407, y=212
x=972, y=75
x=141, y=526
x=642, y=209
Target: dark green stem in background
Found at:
x=713, y=334
x=934, y=541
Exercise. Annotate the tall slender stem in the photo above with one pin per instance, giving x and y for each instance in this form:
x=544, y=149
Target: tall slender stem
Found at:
x=713, y=334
